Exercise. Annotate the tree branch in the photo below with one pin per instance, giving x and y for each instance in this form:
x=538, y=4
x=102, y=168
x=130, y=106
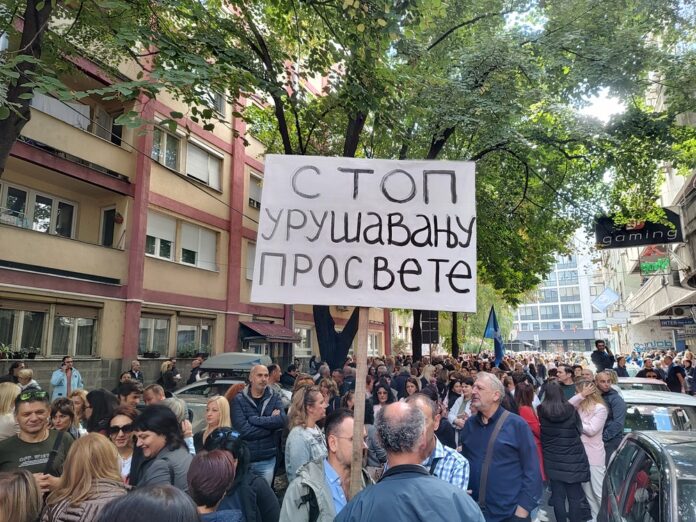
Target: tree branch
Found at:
x=465, y=23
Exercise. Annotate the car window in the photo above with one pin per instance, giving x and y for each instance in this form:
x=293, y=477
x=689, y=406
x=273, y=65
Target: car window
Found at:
x=686, y=508
x=641, y=495
x=642, y=417
x=642, y=386
x=620, y=467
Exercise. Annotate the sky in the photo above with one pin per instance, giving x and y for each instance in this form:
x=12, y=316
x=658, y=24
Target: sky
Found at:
x=603, y=107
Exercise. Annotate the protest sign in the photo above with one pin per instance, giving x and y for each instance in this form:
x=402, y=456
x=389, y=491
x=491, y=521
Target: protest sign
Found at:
x=348, y=231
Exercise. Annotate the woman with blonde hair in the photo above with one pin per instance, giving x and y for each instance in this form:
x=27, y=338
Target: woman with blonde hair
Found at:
x=593, y=413
x=306, y=441
x=79, y=400
x=20, y=497
x=91, y=479
x=329, y=389
x=427, y=376
x=8, y=394
x=217, y=415
x=166, y=378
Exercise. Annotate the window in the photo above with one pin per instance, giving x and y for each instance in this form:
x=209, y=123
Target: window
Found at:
x=193, y=335
x=374, y=342
x=568, y=278
x=255, y=182
x=529, y=313
x=550, y=280
x=161, y=231
x=551, y=326
x=198, y=246
x=571, y=311
x=571, y=293
x=596, y=290
x=549, y=295
x=108, y=224
x=567, y=262
x=154, y=335
x=23, y=329
x=251, y=255
x=74, y=331
x=215, y=101
x=203, y=166
x=549, y=312
x=166, y=148
x=526, y=327
x=572, y=325
x=304, y=347
x=26, y=208
x=4, y=42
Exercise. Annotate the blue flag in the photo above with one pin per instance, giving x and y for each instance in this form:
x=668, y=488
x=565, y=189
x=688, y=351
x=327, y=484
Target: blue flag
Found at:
x=493, y=332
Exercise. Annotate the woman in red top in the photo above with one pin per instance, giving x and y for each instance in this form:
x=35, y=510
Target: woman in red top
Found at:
x=524, y=395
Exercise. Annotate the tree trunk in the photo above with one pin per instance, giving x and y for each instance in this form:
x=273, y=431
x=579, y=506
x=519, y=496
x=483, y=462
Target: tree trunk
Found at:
x=334, y=346
x=35, y=24
x=417, y=336
x=455, y=335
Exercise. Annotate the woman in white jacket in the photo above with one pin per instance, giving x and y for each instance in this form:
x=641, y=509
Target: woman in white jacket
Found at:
x=593, y=412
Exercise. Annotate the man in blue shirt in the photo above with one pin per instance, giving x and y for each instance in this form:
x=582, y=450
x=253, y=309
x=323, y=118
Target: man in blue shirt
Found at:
x=513, y=488
x=321, y=489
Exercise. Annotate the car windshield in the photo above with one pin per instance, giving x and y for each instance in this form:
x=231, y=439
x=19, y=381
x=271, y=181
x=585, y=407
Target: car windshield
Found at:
x=659, y=417
x=685, y=498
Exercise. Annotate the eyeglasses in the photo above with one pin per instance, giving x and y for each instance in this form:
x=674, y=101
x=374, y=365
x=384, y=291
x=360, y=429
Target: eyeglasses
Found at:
x=126, y=429
x=32, y=395
x=351, y=438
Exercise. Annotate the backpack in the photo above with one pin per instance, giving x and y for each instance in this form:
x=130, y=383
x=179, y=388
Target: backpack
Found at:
x=310, y=497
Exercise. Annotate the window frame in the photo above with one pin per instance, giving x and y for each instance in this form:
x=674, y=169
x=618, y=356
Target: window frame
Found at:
x=198, y=323
x=304, y=347
x=211, y=154
x=164, y=136
x=30, y=209
x=151, y=333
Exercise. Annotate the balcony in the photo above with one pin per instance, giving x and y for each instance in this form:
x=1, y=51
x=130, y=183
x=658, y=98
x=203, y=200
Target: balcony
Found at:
x=78, y=144
x=27, y=249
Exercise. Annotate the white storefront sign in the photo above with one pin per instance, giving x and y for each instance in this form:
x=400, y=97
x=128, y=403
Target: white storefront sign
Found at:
x=386, y=233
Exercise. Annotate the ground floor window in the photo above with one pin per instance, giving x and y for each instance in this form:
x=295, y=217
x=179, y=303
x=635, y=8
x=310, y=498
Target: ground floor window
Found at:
x=304, y=347
x=154, y=335
x=193, y=335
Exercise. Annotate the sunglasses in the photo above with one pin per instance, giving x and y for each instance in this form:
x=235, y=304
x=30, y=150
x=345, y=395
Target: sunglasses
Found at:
x=126, y=429
x=32, y=395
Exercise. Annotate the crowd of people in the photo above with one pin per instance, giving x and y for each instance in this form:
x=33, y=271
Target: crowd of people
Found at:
x=478, y=440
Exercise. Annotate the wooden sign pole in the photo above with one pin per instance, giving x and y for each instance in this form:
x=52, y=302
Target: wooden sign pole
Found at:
x=360, y=358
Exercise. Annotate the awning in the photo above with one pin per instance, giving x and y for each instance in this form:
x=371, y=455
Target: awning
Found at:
x=271, y=332
x=655, y=298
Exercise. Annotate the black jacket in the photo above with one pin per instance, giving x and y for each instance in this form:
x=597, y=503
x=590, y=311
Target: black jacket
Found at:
x=565, y=459
x=602, y=360
x=256, y=423
x=287, y=380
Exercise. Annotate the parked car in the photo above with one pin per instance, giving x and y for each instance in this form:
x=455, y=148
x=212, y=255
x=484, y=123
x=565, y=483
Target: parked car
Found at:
x=219, y=372
x=640, y=383
x=656, y=410
x=651, y=478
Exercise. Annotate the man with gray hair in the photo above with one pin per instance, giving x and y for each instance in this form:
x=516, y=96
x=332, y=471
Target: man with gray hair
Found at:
x=505, y=476
x=407, y=491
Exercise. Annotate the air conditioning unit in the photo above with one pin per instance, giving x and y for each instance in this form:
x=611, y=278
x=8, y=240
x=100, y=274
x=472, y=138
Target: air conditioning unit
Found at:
x=679, y=311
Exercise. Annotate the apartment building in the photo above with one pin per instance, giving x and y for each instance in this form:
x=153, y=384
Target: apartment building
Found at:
x=120, y=244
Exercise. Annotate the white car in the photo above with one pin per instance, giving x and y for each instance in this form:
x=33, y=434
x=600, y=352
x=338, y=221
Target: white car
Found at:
x=641, y=383
x=657, y=410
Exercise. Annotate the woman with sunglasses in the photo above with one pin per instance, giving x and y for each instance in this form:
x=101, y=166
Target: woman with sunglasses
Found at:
x=217, y=415
x=306, y=440
x=121, y=434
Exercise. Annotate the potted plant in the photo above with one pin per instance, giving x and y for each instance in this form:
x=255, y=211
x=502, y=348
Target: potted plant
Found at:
x=32, y=351
x=151, y=355
x=4, y=351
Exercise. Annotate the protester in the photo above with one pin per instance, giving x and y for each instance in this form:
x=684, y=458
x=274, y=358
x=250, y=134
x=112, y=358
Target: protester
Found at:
x=153, y=394
x=566, y=379
x=407, y=491
x=325, y=482
x=288, y=378
x=332, y=397
x=274, y=382
x=454, y=392
x=209, y=477
x=524, y=398
x=79, y=400
x=257, y=413
x=129, y=393
x=441, y=461
x=65, y=379
x=148, y=504
x=161, y=440
x=167, y=377
x=8, y=424
x=411, y=386
x=196, y=370
x=513, y=482
x=135, y=372
x=98, y=409
x=593, y=413
x=25, y=379
x=602, y=357
x=675, y=376
x=461, y=409
x=90, y=480
x=123, y=438
x=249, y=491
x=12, y=372
x=123, y=378
x=178, y=406
x=217, y=415
x=381, y=396
x=63, y=417
x=614, y=427
x=565, y=460
x=620, y=369
x=306, y=440
x=20, y=498
x=29, y=448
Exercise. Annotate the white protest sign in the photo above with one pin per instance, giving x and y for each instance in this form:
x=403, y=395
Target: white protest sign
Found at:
x=385, y=233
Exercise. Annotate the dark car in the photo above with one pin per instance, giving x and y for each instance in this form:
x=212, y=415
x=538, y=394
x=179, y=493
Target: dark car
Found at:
x=651, y=478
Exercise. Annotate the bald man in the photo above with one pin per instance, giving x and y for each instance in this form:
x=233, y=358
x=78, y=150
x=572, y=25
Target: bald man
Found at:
x=258, y=415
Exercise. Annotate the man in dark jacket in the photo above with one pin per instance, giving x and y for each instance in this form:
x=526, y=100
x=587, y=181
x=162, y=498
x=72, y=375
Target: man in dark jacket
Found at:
x=614, y=425
x=400, y=382
x=257, y=413
x=602, y=357
x=513, y=488
x=288, y=378
x=407, y=491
